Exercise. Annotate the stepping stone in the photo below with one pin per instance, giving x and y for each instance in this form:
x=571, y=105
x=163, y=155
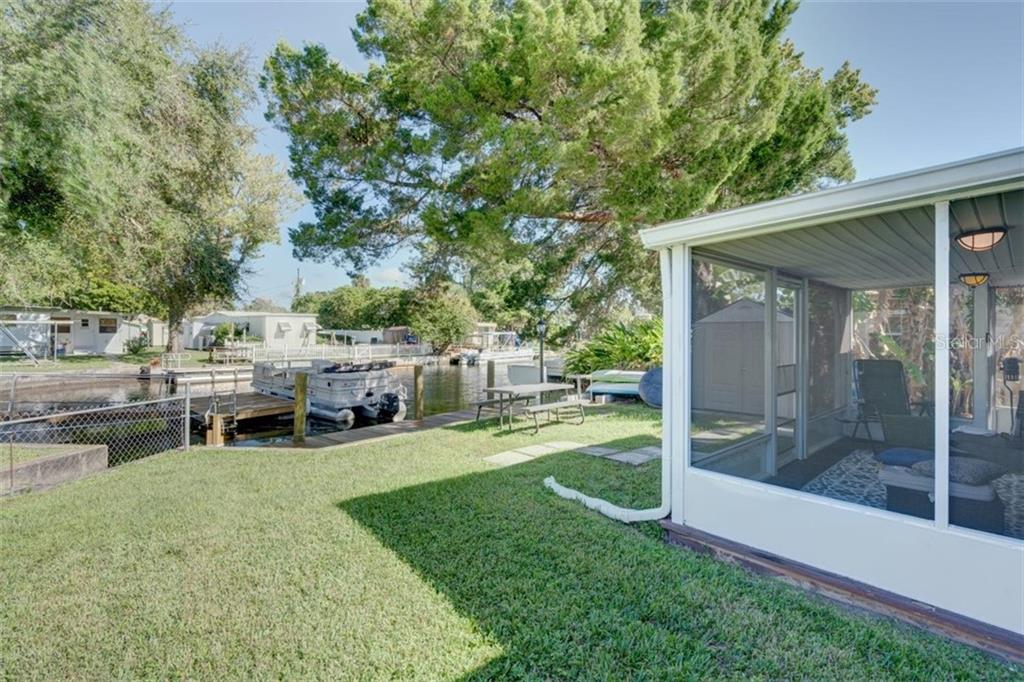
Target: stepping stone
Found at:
x=507, y=458
x=562, y=445
x=536, y=450
x=633, y=457
x=597, y=451
x=653, y=450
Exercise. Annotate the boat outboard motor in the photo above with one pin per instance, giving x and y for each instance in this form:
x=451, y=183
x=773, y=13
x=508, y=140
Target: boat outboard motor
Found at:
x=391, y=407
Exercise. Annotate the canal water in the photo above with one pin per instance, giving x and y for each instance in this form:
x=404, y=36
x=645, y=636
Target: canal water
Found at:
x=446, y=388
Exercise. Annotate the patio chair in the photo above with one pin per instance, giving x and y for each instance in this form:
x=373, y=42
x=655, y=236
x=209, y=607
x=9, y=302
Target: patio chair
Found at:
x=880, y=388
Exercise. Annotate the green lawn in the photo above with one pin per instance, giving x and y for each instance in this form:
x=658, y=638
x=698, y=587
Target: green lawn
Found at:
x=26, y=452
x=95, y=363
x=407, y=558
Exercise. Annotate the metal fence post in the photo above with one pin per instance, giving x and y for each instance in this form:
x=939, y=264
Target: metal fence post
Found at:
x=10, y=453
x=10, y=406
x=186, y=431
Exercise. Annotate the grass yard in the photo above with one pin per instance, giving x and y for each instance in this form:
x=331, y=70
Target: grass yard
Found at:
x=128, y=362
x=408, y=558
x=18, y=453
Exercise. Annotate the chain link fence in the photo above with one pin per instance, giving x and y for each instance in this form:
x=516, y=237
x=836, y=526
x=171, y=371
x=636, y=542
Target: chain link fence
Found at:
x=55, y=432
x=28, y=395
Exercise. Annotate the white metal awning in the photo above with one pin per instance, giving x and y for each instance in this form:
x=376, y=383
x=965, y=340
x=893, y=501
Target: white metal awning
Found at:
x=877, y=233
x=284, y=326
x=889, y=249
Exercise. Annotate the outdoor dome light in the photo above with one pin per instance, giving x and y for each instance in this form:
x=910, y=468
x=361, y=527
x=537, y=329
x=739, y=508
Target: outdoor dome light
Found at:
x=974, y=279
x=981, y=239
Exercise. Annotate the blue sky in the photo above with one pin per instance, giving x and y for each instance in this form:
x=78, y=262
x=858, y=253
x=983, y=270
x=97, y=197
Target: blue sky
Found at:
x=950, y=77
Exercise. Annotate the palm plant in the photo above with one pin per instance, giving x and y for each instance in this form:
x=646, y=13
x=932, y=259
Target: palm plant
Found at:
x=620, y=346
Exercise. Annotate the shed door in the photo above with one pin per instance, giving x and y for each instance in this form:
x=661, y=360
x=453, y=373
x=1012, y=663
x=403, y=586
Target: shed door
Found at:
x=725, y=380
x=735, y=352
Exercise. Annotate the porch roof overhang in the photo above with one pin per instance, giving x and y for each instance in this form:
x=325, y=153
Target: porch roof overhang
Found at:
x=876, y=233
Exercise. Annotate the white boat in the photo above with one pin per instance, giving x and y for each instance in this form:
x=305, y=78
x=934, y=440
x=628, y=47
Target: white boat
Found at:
x=337, y=391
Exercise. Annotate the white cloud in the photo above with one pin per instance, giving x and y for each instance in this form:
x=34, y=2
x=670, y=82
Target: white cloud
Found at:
x=387, y=277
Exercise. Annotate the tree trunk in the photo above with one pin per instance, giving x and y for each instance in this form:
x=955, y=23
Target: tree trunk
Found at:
x=175, y=315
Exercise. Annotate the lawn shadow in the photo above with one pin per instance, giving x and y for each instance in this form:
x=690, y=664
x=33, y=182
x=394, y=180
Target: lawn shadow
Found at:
x=569, y=594
x=565, y=594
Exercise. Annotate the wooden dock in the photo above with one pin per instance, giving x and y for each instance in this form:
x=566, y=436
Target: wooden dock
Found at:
x=389, y=430
x=244, y=406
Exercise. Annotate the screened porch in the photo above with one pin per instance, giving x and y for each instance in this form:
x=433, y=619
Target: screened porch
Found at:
x=813, y=357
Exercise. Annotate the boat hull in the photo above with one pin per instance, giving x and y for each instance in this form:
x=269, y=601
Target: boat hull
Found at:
x=337, y=392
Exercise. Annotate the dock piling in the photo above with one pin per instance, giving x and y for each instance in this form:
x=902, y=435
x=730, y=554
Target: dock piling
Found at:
x=417, y=380
x=490, y=372
x=299, y=434
x=215, y=432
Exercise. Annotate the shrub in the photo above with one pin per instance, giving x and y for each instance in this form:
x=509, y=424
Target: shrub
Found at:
x=138, y=345
x=621, y=346
x=442, y=316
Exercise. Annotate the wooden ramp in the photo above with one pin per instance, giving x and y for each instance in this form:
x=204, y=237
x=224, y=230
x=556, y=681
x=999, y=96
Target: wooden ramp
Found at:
x=368, y=433
x=245, y=406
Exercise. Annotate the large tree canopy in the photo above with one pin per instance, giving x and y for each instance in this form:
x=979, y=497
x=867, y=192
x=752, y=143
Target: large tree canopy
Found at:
x=520, y=145
x=82, y=84
x=357, y=306
x=125, y=158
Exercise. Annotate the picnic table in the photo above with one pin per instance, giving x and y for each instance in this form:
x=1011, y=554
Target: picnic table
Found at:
x=507, y=395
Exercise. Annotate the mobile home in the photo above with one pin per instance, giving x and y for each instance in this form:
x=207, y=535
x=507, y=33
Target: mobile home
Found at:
x=275, y=330
x=49, y=332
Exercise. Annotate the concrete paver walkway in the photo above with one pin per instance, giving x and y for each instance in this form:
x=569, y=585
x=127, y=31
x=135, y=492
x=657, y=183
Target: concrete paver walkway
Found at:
x=526, y=453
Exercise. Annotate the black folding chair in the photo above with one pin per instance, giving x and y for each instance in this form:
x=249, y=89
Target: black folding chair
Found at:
x=881, y=389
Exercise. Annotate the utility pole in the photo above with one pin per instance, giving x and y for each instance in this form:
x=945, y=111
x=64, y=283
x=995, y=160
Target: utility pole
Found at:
x=298, y=285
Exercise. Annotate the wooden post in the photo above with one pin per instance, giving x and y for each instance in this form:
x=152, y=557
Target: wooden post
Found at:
x=301, y=379
x=417, y=391
x=215, y=432
x=490, y=373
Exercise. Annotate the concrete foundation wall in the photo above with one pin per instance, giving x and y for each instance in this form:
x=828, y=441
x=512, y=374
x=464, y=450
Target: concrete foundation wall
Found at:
x=42, y=473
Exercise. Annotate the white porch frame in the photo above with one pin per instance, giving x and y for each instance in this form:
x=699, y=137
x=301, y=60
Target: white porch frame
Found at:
x=941, y=336
x=976, y=574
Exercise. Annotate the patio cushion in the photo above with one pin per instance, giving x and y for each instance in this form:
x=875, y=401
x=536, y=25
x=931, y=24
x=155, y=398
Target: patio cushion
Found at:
x=967, y=470
x=1010, y=489
x=901, y=477
x=616, y=376
x=903, y=457
x=614, y=389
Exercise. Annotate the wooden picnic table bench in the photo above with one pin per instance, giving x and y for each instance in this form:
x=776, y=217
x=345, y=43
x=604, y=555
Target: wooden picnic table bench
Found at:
x=495, y=403
x=573, y=402
x=508, y=395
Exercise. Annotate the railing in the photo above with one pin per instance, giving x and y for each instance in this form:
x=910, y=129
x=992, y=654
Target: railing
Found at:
x=356, y=353
x=174, y=360
x=46, y=449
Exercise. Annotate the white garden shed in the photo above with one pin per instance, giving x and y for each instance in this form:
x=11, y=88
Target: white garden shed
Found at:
x=728, y=375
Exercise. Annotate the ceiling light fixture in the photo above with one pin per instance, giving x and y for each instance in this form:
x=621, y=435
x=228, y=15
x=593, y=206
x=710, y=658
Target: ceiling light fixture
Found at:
x=983, y=239
x=974, y=279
